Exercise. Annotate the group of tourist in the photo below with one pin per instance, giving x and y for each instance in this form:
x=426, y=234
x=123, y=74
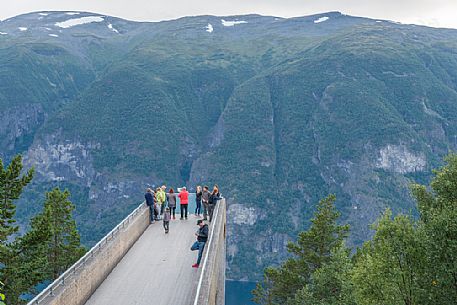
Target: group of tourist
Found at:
x=162, y=206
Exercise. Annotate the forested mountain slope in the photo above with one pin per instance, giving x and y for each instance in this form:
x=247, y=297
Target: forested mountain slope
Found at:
x=278, y=112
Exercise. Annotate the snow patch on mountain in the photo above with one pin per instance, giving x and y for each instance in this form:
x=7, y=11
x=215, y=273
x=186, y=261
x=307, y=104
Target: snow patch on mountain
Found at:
x=22, y=28
x=232, y=22
x=110, y=26
x=72, y=13
x=43, y=14
x=78, y=21
x=209, y=28
x=53, y=35
x=3, y=33
x=322, y=19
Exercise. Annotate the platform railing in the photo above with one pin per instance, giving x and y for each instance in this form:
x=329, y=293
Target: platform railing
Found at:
x=210, y=288
x=81, y=263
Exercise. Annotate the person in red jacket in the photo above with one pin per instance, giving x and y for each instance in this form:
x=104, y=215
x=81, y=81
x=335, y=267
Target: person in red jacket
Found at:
x=184, y=199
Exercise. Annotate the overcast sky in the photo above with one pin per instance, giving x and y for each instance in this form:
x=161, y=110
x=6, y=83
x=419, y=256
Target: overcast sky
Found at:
x=438, y=13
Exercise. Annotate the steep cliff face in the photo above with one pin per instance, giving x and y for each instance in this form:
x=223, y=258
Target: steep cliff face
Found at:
x=102, y=199
x=18, y=126
x=56, y=160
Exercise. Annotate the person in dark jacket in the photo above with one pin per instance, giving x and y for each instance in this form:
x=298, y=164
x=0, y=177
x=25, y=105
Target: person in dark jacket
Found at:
x=202, y=237
x=198, y=200
x=205, y=196
x=212, y=200
x=149, y=196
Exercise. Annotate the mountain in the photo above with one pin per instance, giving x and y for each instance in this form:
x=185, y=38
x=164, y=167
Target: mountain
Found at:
x=279, y=112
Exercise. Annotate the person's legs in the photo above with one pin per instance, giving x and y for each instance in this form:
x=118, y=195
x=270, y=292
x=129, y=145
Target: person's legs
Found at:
x=201, y=246
x=151, y=213
x=198, y=208
x=173, y=210
x=185, y=210
x=182, y=210
x=205, y=210
x=210, y=211
x=156, y=213
x=162, y=208
x=166, y=226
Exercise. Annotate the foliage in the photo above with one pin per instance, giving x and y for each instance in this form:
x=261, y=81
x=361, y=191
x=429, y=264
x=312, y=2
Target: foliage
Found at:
x=2, y=296
x=330, y=284
x=388, y=271
x=50, y=246
x=407, y=262
x=56, y=230
x=12, y=183
x=312, y=251
x=14, y=272
x=438, y=209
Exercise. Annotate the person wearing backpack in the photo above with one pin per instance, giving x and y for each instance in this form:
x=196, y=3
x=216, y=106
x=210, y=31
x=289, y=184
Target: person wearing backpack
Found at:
x=184, y=200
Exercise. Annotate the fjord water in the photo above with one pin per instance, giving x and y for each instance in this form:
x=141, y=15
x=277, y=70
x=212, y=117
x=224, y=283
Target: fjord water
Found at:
x=239, y=293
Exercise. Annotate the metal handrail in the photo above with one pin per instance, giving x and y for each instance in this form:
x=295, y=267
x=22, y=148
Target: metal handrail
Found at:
x=60, y=281
x=208, y=247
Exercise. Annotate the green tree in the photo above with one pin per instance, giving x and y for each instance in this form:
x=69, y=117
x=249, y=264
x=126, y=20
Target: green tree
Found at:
x=11, y=186
x=438, y=210
x=388, y=270
x=330, y=284
x=13, y=270
x=311, y=251
x=50, y=246
x=25, y=269
x=63, y=241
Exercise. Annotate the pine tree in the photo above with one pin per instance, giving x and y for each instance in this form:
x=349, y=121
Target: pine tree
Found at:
x=11, y=186
x=25, y=269
x=311, y=251
x=12, y=182
x=63, y=243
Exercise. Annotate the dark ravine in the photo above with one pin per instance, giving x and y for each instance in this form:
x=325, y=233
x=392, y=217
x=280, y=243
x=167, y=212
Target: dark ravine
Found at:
x=279, y=112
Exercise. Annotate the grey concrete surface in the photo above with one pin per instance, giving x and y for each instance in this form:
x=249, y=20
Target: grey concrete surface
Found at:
x=156, y=270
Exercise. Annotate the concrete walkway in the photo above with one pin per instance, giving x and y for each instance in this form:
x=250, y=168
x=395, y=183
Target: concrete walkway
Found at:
x=156, y=270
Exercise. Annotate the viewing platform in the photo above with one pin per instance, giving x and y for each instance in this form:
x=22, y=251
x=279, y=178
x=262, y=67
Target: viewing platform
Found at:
x=137, y=263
